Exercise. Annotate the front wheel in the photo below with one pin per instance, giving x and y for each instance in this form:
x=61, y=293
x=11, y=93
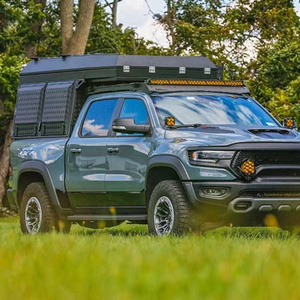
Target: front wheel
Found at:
x=169, y=211
x=36, y=212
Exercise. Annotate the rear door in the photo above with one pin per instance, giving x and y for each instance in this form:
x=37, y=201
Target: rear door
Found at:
x=86, y=156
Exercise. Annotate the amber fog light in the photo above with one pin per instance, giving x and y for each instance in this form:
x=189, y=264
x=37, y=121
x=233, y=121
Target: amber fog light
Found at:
x=213, y=192
x=248, y=167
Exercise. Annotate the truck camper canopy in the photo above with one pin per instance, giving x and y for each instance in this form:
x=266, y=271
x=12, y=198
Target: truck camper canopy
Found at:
x=53, y=90
x=114, y=68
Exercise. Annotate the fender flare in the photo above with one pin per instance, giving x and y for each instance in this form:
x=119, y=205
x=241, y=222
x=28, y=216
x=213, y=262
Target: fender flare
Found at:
x=41, y=168
x=169, y=161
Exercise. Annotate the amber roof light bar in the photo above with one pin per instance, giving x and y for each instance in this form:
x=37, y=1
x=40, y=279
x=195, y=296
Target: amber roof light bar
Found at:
x=195, y=82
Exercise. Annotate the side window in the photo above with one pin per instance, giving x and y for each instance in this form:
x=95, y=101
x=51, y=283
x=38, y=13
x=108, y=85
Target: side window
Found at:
x=98, y=118
x=135, y=109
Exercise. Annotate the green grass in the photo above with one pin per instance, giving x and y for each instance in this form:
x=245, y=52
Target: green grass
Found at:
x=125, y=263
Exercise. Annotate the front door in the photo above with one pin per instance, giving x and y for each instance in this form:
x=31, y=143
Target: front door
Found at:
x=127, y=158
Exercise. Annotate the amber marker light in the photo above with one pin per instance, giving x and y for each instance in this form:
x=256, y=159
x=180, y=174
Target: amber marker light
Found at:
x=289, y=123
x=248, y=167
x=170, y=121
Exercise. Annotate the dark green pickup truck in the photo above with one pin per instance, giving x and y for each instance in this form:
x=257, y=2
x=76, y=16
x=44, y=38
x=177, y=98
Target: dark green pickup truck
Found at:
x=100, y=139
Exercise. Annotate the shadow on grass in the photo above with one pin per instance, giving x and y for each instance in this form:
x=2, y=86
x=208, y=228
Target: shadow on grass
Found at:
x=126, y=229
x=251, y=233
x=123, y=229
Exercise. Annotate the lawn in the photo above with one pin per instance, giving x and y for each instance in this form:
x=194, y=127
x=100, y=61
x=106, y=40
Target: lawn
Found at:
x=125, y=263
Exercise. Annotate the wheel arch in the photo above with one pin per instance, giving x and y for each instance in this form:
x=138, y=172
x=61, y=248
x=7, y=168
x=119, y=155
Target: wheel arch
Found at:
x=164, y=167
x=37, y=171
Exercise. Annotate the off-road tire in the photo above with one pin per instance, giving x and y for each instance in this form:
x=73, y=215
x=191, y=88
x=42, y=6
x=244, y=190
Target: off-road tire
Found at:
x=36, y=208
x=169, y=193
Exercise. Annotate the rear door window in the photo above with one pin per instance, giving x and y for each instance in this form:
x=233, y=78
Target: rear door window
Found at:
x=98, y=118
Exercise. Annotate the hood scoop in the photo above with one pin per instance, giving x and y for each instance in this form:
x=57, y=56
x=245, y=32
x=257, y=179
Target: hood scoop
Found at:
x=211, y=129
x=274, y=133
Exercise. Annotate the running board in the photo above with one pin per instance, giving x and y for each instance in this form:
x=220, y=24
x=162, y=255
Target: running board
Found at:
x=107, y=218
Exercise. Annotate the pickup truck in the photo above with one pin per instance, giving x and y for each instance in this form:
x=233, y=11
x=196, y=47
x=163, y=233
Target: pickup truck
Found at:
x=164, y=141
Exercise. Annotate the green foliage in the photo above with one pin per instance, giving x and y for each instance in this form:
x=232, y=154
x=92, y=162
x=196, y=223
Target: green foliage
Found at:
x=278, y=66
x=230, y=32
x=49, y=44
x=19, y=17
x=192, y=25
x=286, y=103
x=10, y=66
x=276, y=81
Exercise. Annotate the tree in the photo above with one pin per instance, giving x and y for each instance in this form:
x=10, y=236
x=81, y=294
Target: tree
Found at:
x=74, y=40
x=229, y=32
x=114, y=8
x=10, y=67
x=106, y=36
x=276, y=79
x=35, y=28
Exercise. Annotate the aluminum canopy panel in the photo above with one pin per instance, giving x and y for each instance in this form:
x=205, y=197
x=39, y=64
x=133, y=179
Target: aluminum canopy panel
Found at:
x=118, y=68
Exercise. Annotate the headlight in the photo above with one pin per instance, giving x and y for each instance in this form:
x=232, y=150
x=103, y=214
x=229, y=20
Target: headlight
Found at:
x=209, y=156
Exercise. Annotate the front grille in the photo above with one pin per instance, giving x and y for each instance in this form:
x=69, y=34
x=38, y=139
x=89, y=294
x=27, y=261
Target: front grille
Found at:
x=266, y=157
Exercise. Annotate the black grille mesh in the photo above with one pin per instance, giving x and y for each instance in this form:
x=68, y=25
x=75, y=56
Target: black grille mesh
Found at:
x=266, y=157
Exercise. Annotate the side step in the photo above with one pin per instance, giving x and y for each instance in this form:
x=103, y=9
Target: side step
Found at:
x=106, y=218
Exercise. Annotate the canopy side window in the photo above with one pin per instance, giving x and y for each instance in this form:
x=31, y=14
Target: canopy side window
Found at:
x=58, y=107
x=28, y=109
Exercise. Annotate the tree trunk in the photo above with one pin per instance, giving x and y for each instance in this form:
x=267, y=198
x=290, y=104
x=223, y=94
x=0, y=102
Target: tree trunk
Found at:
x=134, y=51
x=170, y=19
x=114, y=13
x=74, y=41
x=4, y=161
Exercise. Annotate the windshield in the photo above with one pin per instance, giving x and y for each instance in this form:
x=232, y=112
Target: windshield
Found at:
x=211, y=109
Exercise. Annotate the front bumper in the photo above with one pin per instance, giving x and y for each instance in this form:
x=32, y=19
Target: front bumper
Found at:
x=247, y=197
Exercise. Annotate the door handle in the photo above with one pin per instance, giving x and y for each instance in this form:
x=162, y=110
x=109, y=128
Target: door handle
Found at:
x=76, y=150
x=112, y=150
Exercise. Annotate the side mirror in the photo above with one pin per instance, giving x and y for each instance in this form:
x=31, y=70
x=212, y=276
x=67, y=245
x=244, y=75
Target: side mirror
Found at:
x=127, y=125
x=289, y=123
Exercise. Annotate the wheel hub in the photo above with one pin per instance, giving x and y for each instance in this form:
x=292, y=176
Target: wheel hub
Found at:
x=163, y=216
x=33, y=215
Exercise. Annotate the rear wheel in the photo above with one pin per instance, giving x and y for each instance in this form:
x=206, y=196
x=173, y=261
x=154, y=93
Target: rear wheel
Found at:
x=36, y=212
x=168, y=211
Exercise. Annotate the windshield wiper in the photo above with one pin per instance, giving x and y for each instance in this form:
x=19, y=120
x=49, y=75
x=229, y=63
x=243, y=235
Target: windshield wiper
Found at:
x=211, y=129
x=189, y=126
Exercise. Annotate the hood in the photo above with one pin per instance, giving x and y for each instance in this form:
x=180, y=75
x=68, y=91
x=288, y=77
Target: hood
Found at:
x=224, y=136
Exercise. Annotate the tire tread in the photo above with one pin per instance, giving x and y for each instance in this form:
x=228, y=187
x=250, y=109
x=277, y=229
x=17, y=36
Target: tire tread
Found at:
x=182, y=209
